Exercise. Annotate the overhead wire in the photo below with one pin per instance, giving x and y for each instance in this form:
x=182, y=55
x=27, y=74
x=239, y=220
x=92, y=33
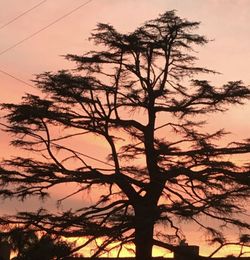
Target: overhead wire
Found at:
x=34, y=34
x=16, y=78
x=22, y=14
x=45, y=27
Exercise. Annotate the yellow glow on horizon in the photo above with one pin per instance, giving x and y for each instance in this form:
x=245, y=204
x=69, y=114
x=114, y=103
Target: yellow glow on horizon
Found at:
x=127, y=251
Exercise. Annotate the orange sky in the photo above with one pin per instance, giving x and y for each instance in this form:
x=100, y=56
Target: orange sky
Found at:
x=224, y=21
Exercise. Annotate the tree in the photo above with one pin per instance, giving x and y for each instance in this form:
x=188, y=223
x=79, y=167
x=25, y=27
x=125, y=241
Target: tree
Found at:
x=27, y=244
x=139, y=93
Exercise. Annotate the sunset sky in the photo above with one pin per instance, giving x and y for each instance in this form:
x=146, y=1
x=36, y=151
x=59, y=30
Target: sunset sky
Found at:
x=225, y=22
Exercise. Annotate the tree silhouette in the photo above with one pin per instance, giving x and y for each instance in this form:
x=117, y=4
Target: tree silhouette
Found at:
x=139, y=93
x=28, y=245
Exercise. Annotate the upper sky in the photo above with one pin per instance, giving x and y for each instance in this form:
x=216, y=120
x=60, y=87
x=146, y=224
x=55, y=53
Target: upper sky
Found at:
x=225, y=22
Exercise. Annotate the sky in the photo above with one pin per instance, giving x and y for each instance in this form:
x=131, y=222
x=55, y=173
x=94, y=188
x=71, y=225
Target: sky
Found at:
x=225, y=22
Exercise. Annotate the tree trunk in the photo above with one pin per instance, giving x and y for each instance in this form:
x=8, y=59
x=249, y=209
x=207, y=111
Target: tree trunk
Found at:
x=144, y=231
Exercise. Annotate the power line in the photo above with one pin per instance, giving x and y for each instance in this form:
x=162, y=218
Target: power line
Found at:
x=45, y=27
x=22, y=14
x=32, y=35
x=16, y=78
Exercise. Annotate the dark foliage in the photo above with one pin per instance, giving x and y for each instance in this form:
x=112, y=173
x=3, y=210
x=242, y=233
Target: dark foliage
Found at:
x=27, y=244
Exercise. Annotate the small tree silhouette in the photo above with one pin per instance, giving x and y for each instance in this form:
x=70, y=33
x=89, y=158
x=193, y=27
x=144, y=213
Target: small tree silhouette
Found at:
x=28, y=245
x=138, y=93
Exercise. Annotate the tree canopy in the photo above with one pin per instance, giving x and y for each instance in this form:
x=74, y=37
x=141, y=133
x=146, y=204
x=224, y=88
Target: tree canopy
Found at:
x=143, y=95
x=27, y=244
